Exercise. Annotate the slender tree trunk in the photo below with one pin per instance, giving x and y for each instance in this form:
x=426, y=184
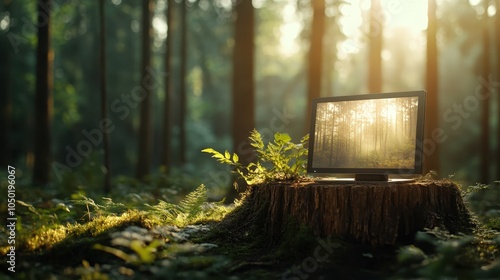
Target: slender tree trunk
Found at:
x=484, y=171
x=182, y=88
x=375, y=49
x=43, y=97
x=5, y=98
x=314, y=73
x=330, y=57
x=167, y=118
x=104, y=102
x=144, y=157
x=497, y=32
x=431, y=160
x=243, y=88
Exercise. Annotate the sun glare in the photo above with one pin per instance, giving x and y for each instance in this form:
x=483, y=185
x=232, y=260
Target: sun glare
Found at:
x=410, y=15
x=289, y=30
x=160, y=26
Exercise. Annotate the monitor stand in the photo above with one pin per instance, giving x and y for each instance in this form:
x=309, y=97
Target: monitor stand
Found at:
x=363, y=178
x=371, y=177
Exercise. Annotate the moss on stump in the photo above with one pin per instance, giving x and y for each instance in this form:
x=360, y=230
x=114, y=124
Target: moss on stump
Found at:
x=374, y=213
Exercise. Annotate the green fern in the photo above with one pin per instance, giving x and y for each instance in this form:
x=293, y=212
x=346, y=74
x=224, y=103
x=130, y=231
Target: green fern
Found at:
x=192, y=203
x=164, y=210
x=192, y=208
x=108, y=206
x=279, y=160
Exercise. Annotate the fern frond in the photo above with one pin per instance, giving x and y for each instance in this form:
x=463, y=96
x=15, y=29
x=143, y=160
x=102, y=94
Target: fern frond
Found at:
x=191, y=204
x=165, y=210
x=111, y=207
x=256, y=141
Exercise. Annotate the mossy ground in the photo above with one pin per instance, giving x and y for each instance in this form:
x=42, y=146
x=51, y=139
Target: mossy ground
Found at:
x=235, y=247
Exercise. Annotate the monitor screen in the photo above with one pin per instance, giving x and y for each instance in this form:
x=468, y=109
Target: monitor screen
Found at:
x=372, y=133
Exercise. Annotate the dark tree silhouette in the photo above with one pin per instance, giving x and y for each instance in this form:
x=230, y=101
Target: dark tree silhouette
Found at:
x=5, y=97
x=497, y=37
x=104, y=102
x=167, y=115
x=182, y=86
x=144, y=157
x=243, y=88
x=375, y=47
x=43, y=96
x=314, y=73
x=431, y=160
x=484, y=168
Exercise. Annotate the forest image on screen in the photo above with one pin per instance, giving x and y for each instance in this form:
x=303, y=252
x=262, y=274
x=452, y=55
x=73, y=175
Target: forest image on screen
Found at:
x=375, y=133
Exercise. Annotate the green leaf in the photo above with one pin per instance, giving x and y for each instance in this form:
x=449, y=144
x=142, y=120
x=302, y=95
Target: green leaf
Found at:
x=214, y=153
x=235, y=157
x=209, y=150
x=282, y=137
x=227, y=155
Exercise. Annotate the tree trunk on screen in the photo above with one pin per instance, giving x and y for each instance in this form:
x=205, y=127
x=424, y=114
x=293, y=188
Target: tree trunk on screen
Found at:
x=5, y=98
x=484, y=171
x=314, y=73
x=104, y=102
x=144, y=156
x=375, y=48
x=243, y=88
x=43, y=96
x=431, y=159
x=167, y=115
x=364, y=212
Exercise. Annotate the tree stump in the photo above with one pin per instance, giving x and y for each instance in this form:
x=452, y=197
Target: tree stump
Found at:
x=375, y=213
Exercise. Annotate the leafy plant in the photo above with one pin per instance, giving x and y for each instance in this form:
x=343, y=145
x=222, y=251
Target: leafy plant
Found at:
x=474, y=189
x=108, y=207
x=278, y=160
x=54, y=213
x=192, y=208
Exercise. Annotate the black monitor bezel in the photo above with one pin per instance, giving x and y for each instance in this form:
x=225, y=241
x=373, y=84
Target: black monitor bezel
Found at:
x=418, y=167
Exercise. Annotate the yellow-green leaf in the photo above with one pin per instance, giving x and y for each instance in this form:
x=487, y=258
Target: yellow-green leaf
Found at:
x=209, y=150
x=282, y=137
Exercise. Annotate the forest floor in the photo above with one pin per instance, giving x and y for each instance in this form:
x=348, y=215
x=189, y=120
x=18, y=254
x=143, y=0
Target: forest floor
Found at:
x=142, y=237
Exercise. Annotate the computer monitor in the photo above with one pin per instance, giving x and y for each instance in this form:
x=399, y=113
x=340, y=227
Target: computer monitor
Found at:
x=370, y=135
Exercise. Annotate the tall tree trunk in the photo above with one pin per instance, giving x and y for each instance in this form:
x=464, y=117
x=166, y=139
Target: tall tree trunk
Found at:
x=43, y=96
x=182, y=87
x=167, y=117
x=243, y=87
x=104, y=102
x=484, y=171
x=375, y=49
x=5, y=98
x=431, y=160
x=144, y=157
x=314, y=73
x=497, y=32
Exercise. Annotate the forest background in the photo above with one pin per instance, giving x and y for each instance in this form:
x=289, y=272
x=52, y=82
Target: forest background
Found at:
x=189, y=85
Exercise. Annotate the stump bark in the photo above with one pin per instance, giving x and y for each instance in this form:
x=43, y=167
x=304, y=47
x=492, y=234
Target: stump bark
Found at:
x=372, y=213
